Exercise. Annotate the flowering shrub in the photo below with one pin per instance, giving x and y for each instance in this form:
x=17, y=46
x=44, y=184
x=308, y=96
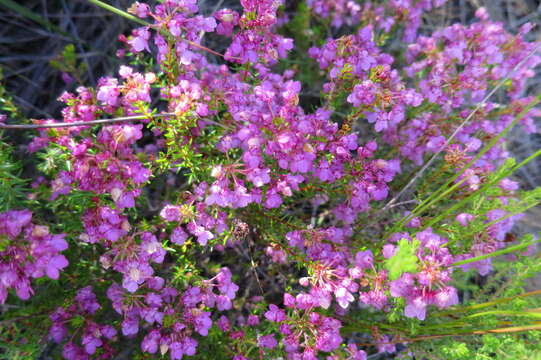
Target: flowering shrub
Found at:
x=216, y=215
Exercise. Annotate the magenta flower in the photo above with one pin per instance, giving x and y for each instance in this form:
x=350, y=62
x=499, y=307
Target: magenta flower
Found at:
x=275, y=314
x=267, y=341
x=171, y=213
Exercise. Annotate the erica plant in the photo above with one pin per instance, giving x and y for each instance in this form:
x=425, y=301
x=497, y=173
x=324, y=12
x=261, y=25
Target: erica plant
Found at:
x=290, y=195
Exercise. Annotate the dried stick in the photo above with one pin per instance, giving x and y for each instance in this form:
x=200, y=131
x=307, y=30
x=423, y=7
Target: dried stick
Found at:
x=83, y=123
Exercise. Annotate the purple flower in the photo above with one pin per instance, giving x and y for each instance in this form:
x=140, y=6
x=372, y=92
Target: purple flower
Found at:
x=56, y=263
x=275, y=314
x=72, y=351
x=57, y=332
x=253, y=320
x=130, y=326
x=87, y=301
x=190, y=346
x=202, y=234
x=416, y=308
x=364, y=259
x=464, y=219
x=170, y=213
x=90, y=342
x=202, y=322
x=176, y=350
x=267, y=341
x=343, y=297
x=445, y=297
x=224, y=324
x=108, y=91
x=178, y=236
x=150, y=342
x=139, y=40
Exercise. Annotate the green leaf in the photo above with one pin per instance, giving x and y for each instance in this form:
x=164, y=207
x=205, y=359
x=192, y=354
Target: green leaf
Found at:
x=404, y=260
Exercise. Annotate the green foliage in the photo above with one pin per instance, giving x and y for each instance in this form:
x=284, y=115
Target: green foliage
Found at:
x=300, y=28
x=457, y=351
x=6, y=102
x=12, y=186
x=67, y=62
x=404, y=260
x=17, y=344
x=53, y=159
x=490, y=347
x=180, y=144
x=305, y=34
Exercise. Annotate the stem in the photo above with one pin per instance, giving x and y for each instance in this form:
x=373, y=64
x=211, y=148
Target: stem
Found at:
x=512, y=329
x=487, y=304
x=464, y=123
x=495, y=253
x=525, y=313
x=19, y=318
x=27, y=13
x=441, y=192
x=119, y=12
x=493, y=222
x=483, y=188
x=83, y=123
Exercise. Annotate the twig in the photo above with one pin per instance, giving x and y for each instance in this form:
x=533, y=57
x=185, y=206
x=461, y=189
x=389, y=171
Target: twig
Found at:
x=506, y=330
x=101, y=121
x=406, y=202
x=25, y=103
x=83, y=123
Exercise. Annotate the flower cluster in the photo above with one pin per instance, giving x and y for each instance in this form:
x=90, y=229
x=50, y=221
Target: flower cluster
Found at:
x=172, y=316
x=305, y=332
x=430, y=284
x=385, y=15
x=340, y=12
x=356, y=63
x=473, y=59
x=92, y=335
x=255, y=42
x=27, y=251
x=105, y=164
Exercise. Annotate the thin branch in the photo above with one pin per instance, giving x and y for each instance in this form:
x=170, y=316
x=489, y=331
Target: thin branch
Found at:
x=101, y=121
x=506, y=330
x=495, y=253
x=406, y=202
x=83, y=123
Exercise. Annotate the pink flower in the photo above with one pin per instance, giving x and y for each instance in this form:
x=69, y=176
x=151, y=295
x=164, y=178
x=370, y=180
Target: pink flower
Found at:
x=275, y=314
x=171, y=213
x=139, y=39
x=267, y=341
